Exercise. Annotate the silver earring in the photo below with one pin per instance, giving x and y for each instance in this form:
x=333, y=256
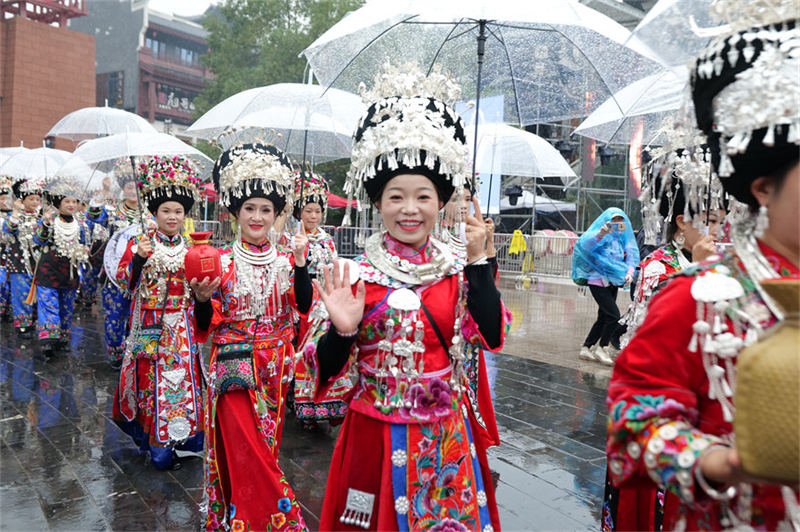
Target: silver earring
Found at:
x=762, y=222
x=238, y=232
x=680, y=239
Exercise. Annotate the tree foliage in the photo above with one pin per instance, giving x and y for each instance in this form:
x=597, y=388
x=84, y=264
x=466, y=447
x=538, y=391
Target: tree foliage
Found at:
x=256, y=42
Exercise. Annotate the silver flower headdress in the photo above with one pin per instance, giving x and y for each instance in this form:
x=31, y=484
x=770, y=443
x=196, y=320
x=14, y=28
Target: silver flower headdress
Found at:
x=244, y=169
x=410, y=123
x=750, y=75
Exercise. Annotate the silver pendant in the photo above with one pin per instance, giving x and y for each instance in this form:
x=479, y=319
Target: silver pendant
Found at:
x=358, y=509
x=404, y=299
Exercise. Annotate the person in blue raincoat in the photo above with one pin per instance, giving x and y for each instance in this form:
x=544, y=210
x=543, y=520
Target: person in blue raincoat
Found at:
x=604, y=259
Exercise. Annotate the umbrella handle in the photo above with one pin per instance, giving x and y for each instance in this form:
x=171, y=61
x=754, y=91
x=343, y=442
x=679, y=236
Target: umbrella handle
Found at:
x=138, y=197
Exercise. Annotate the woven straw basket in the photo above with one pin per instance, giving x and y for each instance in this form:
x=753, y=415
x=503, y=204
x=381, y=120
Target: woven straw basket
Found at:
x=767, y=422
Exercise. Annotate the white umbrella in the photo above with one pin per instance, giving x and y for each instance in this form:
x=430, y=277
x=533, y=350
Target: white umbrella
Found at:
x=645, y=103
x=7, y=153
x=550, y=60
x=507, y=150
x=676, y=30
x=311, y=120
x=125, y=145
x=91, y=177
x=37, y=163
x=91, y=122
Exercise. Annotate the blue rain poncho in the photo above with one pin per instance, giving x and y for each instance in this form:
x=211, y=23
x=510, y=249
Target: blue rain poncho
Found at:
x=608, y=259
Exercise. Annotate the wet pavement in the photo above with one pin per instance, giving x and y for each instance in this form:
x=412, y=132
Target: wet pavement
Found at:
x=64, y=465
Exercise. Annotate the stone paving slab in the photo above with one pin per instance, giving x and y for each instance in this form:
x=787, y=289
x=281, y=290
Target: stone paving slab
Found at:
x=64, y=464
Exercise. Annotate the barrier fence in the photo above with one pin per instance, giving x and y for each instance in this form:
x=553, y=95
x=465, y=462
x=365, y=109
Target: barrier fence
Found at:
x=544, y=254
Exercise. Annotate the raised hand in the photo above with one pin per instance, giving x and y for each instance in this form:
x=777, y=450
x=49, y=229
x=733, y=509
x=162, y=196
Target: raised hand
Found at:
x=475, y=233
x=299, y=244
x=703, y=249
x=144, y=247
x=203, y=289
x=490, y=249
x=344, y=308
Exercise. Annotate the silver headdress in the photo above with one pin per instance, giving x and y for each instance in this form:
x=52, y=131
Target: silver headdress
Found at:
x=254, y=170
x=744, y=85
x=410, y=125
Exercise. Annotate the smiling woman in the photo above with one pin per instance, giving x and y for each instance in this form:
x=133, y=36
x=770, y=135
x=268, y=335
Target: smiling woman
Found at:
x=159, y=399
x=392, y=343
x=249, y=314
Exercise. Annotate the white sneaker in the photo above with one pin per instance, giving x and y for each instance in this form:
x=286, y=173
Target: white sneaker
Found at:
x=602, y=356
x=586, y=353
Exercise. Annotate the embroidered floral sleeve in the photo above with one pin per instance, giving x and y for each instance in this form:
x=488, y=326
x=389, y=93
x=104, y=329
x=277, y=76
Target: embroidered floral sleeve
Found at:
x=43, y=234
x=653, y=400
x=10, y=225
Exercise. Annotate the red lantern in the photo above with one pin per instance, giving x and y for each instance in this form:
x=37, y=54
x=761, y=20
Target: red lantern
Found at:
x=202, y=260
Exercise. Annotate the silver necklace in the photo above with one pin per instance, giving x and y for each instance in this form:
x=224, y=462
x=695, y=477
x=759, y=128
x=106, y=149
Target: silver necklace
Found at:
x=166, y=259
x=257, y=274
x=405, y=271
x=66, y=237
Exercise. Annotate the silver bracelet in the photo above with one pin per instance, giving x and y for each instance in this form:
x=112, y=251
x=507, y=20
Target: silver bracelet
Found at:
x=346, y=335
x=730, y=491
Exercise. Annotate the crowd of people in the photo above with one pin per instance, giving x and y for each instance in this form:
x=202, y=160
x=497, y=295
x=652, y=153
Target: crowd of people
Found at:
x=391, y=344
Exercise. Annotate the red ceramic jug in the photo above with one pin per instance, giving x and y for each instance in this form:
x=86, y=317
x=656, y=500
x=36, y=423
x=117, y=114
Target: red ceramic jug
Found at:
x=202, y=260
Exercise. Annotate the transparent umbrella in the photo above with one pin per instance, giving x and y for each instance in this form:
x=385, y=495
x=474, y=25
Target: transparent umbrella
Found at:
x=103, y=151
x=643, y=105
x=7, y=153
x=37, y=163
x=92, y=179
x=313, y=123
x=91, y=122
x=126, y=145
x=549, y=61
x=676, y=29
x=507, y=150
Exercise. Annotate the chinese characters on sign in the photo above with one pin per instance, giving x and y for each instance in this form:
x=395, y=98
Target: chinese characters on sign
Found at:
x=174, y=99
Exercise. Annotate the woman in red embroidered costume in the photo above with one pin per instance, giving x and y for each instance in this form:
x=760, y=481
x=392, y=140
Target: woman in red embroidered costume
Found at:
x=310, y=209
x=408, y=456
x=159, y=399
x=249, y=314
x=674, y=428
x=691, y=236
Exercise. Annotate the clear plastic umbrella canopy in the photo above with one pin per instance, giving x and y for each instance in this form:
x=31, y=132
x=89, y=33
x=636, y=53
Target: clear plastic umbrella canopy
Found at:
x=37, y=163
x=644, y=104
x=7, y=153
x=91, y=122
x=137, y=145
x=506, y=150
x=549, y=60
x=309, y=119
x=676, y=30
x=90, y=178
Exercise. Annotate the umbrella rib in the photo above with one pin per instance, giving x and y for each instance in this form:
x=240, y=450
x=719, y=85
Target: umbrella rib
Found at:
x=580, y=50
x=625, y=116
x=350, y=61
x=445, y=41
x=511, y=69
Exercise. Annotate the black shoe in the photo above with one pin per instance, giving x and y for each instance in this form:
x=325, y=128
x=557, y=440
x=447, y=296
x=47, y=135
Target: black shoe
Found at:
x=116, y=364
x=26, y=333
x=48, y=353
x=62, y=346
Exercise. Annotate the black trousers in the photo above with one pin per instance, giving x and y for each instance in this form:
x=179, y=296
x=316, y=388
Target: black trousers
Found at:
x=606, y=327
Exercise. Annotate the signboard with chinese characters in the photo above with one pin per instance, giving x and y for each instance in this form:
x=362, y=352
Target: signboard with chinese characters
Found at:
x=174, y=99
